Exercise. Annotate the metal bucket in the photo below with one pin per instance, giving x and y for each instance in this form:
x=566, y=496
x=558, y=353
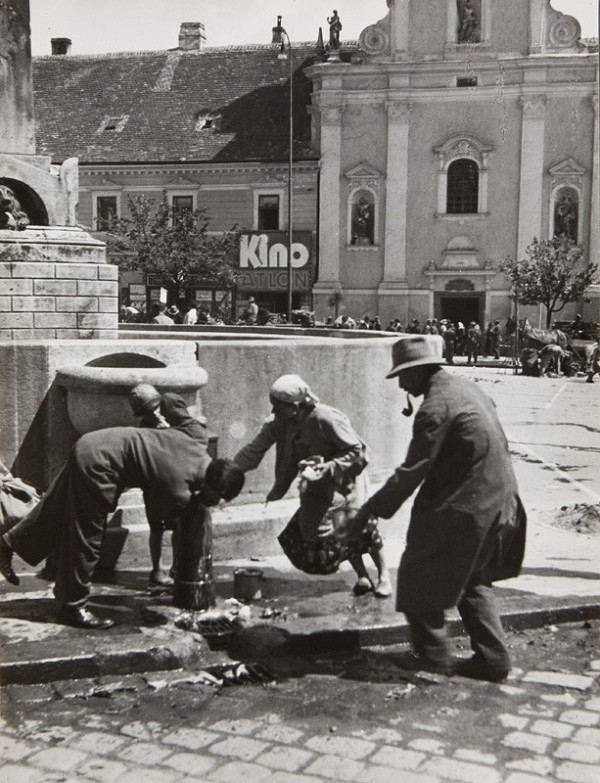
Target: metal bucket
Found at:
x=246, y=584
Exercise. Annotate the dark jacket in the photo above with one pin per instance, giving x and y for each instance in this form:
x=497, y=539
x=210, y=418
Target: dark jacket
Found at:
x=467, y=520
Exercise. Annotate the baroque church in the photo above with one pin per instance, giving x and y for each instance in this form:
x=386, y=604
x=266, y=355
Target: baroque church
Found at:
x=443, y=141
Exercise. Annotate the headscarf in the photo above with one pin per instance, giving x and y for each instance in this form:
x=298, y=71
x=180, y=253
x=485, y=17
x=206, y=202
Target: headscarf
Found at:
x=292, y=389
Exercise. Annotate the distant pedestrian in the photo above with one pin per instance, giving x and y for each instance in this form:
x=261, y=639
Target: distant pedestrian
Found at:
x=473, y=342
x=449, y=342
x=461, y=339
x=158, y=315
x=495, y=335
x=190, y=317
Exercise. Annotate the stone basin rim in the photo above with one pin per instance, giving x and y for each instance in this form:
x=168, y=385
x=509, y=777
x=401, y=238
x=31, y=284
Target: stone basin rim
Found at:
x=110, y=380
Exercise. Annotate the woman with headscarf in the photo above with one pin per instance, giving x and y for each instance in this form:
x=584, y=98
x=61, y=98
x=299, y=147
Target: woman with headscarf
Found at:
x=319, y=441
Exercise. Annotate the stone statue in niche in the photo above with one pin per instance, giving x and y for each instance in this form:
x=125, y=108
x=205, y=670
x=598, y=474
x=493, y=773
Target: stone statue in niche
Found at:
x=335, y=28
x=362, y=223
x=469, y=30
x=12, y=215
x=565, y=216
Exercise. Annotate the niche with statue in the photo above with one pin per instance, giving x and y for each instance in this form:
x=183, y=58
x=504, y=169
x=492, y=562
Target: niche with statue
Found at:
x=363, y=219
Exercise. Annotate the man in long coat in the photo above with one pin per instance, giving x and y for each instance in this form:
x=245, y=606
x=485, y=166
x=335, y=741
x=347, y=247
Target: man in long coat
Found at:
x=171, y=465
x=467, y=527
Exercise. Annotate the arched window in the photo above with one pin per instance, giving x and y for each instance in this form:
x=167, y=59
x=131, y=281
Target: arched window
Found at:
x=462, y=194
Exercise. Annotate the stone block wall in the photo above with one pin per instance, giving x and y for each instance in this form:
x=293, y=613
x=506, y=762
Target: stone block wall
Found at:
x=45, y=300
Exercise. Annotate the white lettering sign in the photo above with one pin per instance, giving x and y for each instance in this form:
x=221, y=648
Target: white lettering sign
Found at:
x=255, y=253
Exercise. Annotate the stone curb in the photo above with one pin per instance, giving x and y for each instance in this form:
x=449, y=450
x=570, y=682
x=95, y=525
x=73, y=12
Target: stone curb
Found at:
x=186, y=653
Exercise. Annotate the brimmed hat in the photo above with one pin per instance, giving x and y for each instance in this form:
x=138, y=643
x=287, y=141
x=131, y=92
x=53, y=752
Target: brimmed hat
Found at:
x=173, y=310
x=416, y=350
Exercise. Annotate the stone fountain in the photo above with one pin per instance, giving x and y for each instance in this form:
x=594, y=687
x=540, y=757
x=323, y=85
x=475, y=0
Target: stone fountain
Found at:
x=54, y=279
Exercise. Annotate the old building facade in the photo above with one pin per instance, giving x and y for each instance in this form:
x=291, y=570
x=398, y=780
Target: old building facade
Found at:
x=461, y=131
x=444, y=140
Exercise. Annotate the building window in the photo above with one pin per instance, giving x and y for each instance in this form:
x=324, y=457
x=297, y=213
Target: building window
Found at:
x=113, y=124
x=466, y=81
x=268, y=213
x=463, y=187
x=182, y=204
x=106, y=212
x=182, y=207
x=207, y=121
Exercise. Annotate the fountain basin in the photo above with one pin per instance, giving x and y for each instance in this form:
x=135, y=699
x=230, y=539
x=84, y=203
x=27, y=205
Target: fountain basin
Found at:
x=98, y=396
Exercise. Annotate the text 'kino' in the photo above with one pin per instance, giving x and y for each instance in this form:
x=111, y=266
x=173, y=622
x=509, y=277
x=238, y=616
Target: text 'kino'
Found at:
x=255, y=253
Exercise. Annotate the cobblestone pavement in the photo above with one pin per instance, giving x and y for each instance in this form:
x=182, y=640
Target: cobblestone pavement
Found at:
x=351, y=717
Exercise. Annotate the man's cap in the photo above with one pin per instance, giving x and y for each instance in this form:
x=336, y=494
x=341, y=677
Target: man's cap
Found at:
x=144, y=398
x=416, y=350
x=251, y=299
x=173, y=310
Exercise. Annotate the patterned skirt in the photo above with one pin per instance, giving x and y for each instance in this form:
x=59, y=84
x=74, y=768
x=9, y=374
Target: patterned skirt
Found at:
x=323, y=555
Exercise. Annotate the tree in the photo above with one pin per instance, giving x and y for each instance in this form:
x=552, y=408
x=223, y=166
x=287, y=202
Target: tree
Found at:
x=550, y=275
x=175, y=247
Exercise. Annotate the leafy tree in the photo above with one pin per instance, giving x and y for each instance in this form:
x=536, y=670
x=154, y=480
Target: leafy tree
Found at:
x=175, y=247
x=550, y=275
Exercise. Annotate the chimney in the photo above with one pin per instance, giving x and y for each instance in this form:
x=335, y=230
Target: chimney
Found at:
x=191, y=36
x=61, y=45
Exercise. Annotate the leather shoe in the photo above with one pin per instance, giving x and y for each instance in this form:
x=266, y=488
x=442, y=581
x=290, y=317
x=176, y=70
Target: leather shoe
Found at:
x=476, y=669
x=80, y=617
x=417, y=663
x=362, y=586
x=6, y=568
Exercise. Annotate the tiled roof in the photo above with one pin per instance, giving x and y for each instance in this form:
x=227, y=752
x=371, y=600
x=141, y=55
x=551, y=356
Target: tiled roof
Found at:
x=153, y=101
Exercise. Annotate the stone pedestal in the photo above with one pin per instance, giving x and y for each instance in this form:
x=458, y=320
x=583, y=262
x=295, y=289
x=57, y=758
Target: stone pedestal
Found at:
x=55, y=283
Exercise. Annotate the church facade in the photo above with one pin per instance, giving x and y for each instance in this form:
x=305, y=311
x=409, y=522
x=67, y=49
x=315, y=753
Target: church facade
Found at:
x=460, y=131
x=445, y=140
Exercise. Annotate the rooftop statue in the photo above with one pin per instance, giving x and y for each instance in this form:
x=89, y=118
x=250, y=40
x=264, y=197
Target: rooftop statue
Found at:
x=335, y=27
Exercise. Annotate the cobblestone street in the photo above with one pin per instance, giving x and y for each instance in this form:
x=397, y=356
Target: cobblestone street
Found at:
x=344, y=718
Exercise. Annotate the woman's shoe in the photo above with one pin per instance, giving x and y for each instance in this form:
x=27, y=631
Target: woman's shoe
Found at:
x=363, y=586
x=160, y=579
x=384, y=587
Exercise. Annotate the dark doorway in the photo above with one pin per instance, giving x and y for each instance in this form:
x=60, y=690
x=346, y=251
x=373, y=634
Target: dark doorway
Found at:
x=460, y=307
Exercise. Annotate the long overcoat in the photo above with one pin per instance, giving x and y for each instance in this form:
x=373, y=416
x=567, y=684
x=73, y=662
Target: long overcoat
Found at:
x=467, y=522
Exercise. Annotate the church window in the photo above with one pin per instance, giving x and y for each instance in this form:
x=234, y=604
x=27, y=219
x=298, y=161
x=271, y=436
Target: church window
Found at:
x=462, y=187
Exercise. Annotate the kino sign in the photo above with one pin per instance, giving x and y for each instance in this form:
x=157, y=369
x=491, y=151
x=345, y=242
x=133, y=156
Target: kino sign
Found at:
x=255, y=253
x=264, y=261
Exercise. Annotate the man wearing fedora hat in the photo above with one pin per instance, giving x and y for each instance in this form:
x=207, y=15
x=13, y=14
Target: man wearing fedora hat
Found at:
x=467, y=527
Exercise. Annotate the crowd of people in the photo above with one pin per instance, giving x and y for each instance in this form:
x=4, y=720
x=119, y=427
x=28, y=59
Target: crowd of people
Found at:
x=467, y=526
x=459, y=340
